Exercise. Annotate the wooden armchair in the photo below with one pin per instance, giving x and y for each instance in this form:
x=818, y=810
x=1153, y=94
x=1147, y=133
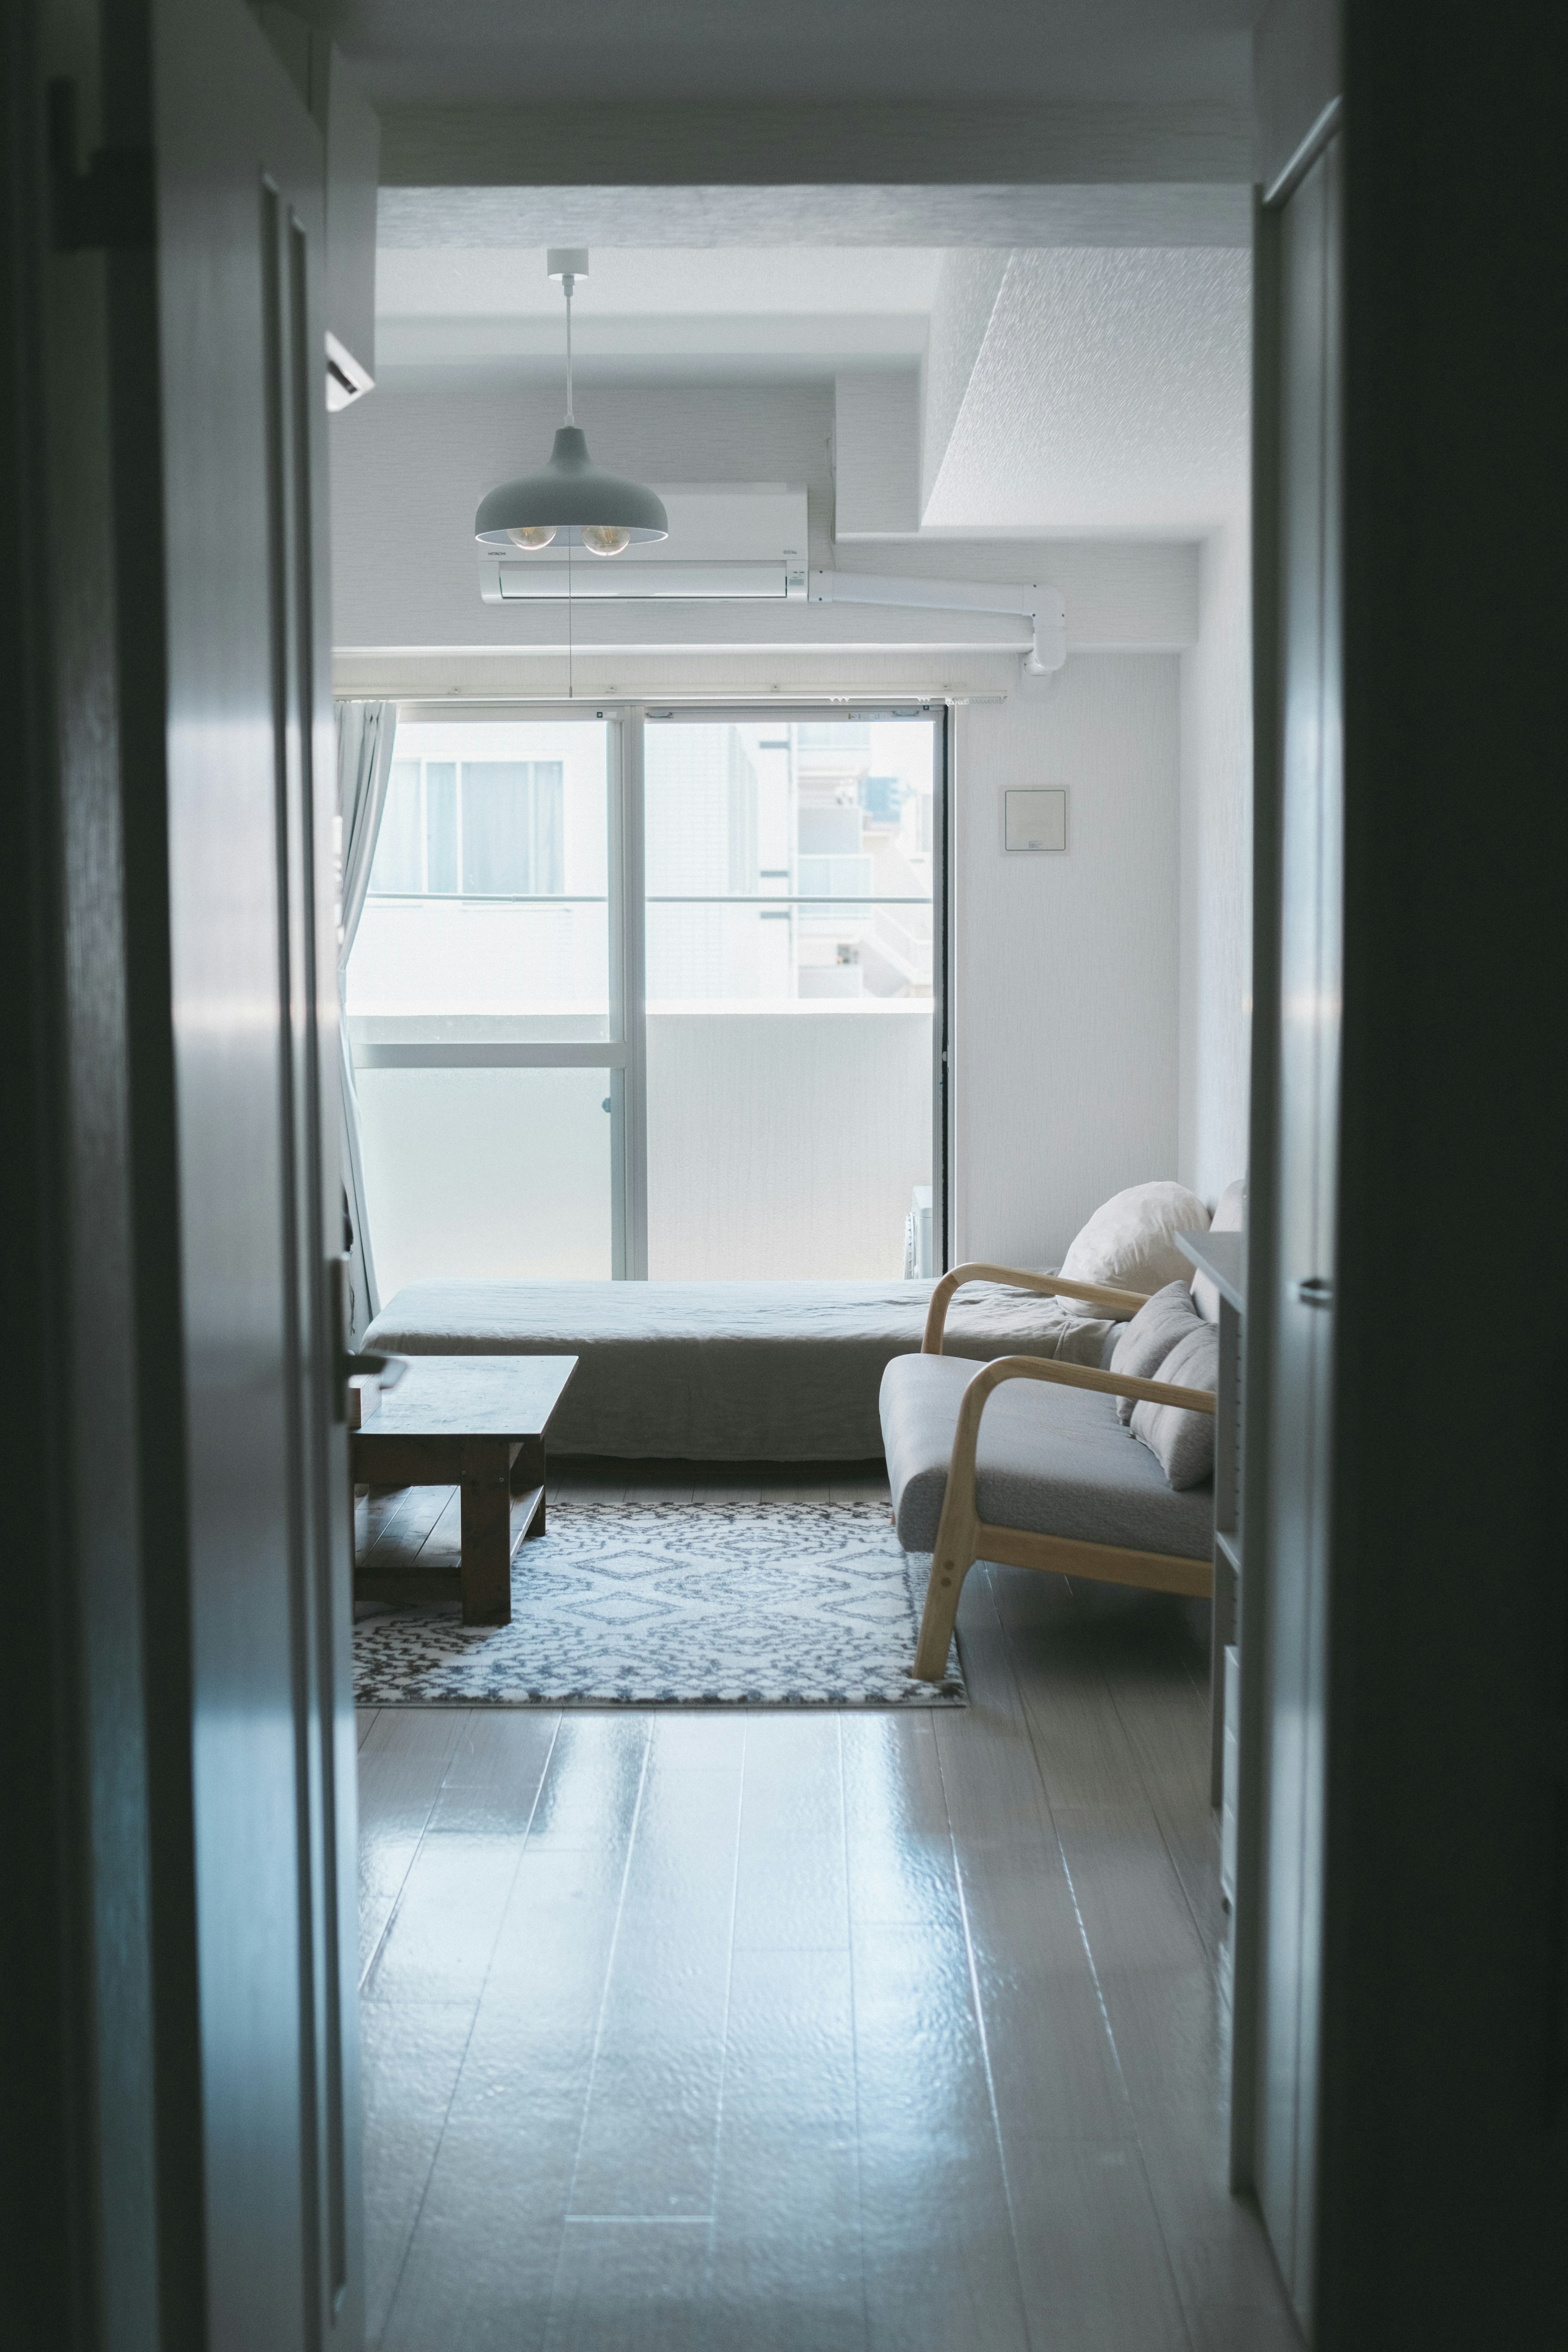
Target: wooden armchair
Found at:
x=962, y=1537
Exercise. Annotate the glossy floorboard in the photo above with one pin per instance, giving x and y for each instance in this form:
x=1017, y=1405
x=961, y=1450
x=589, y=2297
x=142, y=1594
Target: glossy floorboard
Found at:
x=810, y=2033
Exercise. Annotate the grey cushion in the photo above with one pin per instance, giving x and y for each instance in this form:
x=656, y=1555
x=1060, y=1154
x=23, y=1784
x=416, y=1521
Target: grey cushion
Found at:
x=1145, y=1343
x=1183, y=1441
x=721, y=1371
x=1054, y=1460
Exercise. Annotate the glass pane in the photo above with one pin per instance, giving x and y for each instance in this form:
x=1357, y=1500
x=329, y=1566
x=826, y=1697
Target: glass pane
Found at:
x=397, y=865
x=486, y=1172
x=440, y=824
x=516, y=814
x=512, y=837
x=789, y=977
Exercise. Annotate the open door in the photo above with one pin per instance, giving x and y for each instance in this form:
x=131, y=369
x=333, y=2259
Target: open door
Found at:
x=253, y=996
x=179, y=2109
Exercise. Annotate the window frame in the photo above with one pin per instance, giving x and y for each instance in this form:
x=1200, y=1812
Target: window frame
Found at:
x=623, y=1054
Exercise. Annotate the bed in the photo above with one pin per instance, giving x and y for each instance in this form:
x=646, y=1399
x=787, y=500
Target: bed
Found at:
x=722, y=1371
x=779, y=1372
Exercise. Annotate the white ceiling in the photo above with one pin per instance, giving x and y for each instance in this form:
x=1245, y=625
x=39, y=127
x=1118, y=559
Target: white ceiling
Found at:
x=1109, y=391
x=1055, y=212
x=647, y=50
x=783, y=313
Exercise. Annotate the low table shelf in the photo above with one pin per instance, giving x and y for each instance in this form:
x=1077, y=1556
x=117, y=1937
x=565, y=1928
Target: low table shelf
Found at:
x=478, y=1424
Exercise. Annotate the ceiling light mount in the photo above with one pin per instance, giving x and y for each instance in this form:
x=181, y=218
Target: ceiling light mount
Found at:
x=570, y=502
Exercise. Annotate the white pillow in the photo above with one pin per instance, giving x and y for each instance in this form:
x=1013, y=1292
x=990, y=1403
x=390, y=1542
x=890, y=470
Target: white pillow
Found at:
x=1130, y=1244
x=1183, y=1441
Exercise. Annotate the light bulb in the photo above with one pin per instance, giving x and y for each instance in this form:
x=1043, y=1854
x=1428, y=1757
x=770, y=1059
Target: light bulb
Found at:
x=603, y=538
x=533, y=534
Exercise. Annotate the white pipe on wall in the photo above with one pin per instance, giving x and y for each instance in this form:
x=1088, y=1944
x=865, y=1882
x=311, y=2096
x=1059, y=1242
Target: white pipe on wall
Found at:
x=1045, y=608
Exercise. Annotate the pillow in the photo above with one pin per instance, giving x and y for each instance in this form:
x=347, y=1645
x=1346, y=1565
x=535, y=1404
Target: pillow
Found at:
x=1142, y=1345
x=1183, y=1441
x=1129, y=1245
x=1229, y=1217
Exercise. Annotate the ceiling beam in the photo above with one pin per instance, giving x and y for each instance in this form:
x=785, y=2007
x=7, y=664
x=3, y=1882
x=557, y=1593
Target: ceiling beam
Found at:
x=717, y=144
x=1149, y=213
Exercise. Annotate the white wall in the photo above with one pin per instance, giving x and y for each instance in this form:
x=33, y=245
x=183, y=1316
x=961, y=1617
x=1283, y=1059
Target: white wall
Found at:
x=1216, y=869
x=1066, y=987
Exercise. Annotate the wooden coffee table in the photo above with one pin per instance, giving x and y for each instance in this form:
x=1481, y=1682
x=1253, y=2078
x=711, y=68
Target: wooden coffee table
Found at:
x=478, y=1424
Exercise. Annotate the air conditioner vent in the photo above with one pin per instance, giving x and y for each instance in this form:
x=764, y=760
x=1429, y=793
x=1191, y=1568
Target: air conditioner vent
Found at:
x=740, y=540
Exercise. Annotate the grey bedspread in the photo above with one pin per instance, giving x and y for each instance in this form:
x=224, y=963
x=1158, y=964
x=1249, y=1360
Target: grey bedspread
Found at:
x=722, y=1371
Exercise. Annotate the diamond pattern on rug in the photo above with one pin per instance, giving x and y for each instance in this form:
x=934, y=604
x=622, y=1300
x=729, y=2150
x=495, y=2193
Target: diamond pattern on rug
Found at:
x=777, y=1605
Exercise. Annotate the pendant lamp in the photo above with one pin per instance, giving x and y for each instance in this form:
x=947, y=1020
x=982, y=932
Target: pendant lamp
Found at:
x=569, y=502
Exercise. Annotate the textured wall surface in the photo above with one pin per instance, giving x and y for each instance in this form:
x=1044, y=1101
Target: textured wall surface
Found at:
x=1065, y=1011
x=1216, y=870
x=1109, y=392
x=966, y=291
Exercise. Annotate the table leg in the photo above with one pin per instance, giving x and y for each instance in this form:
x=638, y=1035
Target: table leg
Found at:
x=527, y=1470
x=485, y=1511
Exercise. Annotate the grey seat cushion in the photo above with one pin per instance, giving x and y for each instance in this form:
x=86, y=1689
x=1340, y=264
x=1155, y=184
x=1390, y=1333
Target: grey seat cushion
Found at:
x=1054, y=1460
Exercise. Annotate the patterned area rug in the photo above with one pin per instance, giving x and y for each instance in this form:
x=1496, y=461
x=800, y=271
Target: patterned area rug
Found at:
x=774, y=1605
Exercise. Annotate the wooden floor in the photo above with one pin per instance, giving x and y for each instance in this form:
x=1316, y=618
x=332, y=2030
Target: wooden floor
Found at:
x=724, y=2030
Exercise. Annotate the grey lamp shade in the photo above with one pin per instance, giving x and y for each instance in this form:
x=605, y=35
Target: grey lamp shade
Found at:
x=570, y=491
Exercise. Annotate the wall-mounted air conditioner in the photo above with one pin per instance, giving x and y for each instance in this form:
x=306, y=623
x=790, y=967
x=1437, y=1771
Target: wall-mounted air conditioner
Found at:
x=746, y=542
x=739, y=541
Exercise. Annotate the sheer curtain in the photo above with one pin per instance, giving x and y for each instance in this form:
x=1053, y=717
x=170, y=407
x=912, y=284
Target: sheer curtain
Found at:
x=366, y=731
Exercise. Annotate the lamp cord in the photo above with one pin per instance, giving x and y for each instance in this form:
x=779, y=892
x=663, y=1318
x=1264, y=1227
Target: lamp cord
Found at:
x=567, y=283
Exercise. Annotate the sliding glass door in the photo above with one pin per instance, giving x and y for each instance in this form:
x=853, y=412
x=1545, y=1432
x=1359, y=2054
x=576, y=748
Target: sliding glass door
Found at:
x=790, y=871
x=643, y=994
x=484, y=1004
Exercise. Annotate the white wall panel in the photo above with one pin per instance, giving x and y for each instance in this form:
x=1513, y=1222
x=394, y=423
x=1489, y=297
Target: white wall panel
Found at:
x=1065, y=1011
x=876, y=453
x=783, y=1144
x=1216, y=870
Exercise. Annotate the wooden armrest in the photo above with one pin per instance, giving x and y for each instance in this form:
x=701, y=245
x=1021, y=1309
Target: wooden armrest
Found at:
x=1083, y=1376
x=1048, y=1285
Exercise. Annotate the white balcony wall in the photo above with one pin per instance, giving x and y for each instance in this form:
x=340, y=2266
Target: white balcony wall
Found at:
x=487, y=1174
x=783, y=1143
